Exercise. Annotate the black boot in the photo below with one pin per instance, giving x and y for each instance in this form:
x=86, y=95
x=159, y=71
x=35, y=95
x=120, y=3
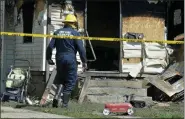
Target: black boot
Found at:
x=65, y=99
x=55, y=103
x=57, y=96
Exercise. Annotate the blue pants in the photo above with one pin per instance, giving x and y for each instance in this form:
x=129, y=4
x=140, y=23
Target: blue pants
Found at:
x=66, y=72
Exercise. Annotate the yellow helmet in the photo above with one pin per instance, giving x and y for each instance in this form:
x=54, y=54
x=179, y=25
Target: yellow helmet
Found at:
x=70, y=18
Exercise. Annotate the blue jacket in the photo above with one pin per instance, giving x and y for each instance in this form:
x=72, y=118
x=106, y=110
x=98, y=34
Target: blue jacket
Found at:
x=66, y=46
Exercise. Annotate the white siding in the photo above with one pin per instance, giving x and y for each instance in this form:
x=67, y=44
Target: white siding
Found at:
x=30, y=51
x=2, y=55
x=9, y=50
x=56, y=23
x=55, y=14
x=1, y=26
x=9, y=45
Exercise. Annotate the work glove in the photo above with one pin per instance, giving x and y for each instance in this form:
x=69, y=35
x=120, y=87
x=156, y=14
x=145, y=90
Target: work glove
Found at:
x=50, y=62
x=84, y=66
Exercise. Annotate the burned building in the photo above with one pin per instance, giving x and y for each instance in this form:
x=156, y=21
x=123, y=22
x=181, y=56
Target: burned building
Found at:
x=108, y=60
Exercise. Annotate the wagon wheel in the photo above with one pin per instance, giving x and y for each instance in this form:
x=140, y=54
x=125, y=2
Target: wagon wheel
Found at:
x=130, y=111
x=106, y=111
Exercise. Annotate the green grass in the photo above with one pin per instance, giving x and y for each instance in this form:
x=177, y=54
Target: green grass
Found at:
x=84, y=110
x=172, y=111
x=88, y=110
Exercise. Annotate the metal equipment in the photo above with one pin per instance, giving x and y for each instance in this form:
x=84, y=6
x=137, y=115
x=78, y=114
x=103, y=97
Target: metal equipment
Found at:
x=17, y=84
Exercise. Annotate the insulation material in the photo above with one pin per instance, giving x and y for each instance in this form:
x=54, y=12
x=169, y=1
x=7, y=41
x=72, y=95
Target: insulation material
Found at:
x=127, y=68
x=39, y=9
x=132, y=53
x=154, y=46
x=152, y=66
x=131, y=45
x=151, y=62
x=69, y=7
x=135, y=70
x=155, y=69
x=156, y=54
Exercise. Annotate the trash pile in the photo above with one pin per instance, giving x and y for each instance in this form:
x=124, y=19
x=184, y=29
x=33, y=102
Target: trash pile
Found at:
x=168, y=86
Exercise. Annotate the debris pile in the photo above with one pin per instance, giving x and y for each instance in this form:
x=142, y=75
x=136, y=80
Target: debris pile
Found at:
x=154, y=56
x=169, y=86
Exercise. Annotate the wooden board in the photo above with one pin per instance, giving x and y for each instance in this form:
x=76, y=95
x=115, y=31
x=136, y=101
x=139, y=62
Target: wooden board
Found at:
x=151, y=27
x=146, y=18
x=116, y=91
x=48, y=88
x=131, y=60
x=116, y=83
x=84, y=89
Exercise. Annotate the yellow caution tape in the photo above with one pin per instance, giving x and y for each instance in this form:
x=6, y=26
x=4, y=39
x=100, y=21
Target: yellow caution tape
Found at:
x=92, y=38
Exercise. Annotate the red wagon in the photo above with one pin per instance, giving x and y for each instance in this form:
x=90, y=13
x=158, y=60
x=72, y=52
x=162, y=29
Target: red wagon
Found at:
x=118, y=108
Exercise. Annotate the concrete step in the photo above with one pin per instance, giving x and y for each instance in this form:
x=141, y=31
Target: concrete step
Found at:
x=115, y=99
x=116, y=91
x=116, y=83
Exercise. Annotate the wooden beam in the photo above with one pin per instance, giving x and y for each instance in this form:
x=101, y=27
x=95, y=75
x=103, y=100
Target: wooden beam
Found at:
x=84, y=89
x=113, y=74
x=116, y=83
x=120, y=35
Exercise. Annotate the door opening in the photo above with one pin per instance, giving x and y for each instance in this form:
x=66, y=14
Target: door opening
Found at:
x=103, y=21
x=28, y=13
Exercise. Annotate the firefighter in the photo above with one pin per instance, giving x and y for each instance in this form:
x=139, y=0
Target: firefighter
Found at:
x=66, y=62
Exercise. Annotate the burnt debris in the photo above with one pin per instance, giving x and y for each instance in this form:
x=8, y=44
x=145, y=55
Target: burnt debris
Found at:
x=168, y=86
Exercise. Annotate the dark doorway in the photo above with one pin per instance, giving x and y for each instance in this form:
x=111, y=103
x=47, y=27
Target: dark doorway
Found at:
x=28, y=13
x=103, y=21
x=175, y=20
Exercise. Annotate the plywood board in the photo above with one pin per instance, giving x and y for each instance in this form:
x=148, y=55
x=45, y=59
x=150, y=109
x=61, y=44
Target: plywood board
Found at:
x=131, y=60
x=151, y=27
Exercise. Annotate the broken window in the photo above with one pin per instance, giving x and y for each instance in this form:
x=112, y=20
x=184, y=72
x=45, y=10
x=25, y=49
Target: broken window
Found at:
x=28, y=13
